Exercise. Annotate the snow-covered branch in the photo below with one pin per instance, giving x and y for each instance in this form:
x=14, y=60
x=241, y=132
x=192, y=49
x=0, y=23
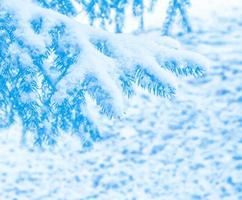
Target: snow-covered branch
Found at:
x=49, y=62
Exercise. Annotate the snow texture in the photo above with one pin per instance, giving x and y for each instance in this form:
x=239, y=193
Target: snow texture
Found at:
x=50, y=63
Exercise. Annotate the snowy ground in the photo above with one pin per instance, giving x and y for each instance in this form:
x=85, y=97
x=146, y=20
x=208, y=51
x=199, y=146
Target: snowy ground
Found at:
x=190, y=148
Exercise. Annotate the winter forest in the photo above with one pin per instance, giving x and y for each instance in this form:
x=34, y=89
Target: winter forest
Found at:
x=120, y=100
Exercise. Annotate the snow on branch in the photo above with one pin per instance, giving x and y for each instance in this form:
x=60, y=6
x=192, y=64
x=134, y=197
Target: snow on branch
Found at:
x=49, y=62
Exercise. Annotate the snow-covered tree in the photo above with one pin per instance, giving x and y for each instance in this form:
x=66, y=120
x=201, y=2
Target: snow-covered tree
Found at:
x=49, y=63
x=101, y=10
x=174, y=7
x=107, y=12
x=138, y=11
